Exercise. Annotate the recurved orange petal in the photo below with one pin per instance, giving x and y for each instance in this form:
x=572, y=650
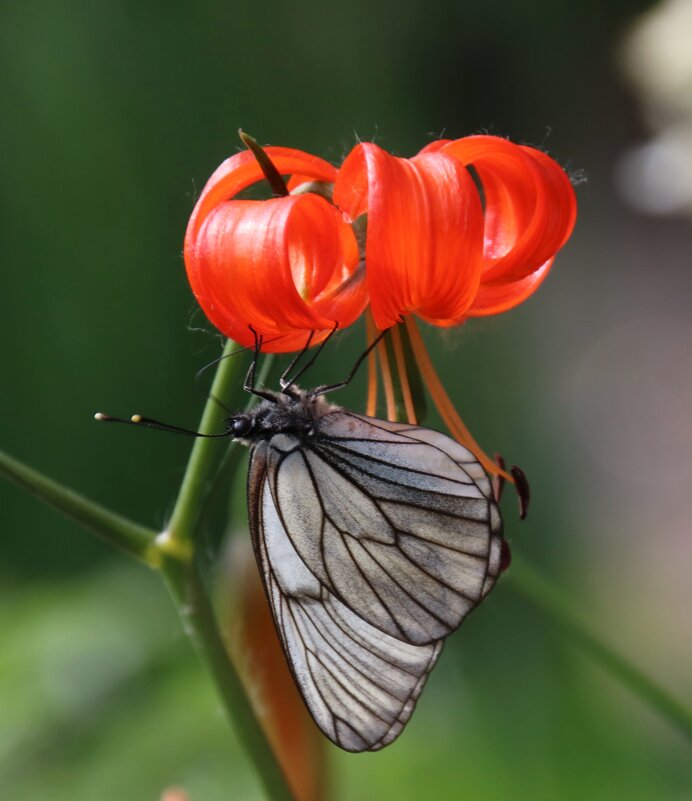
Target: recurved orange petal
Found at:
x=530, y=206
x=495, y=297
x=242, y=170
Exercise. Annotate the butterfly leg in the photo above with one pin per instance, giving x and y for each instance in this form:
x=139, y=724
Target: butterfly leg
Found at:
x=284, y=382
x=249, y=383
x=325, y=388
x=287, y=384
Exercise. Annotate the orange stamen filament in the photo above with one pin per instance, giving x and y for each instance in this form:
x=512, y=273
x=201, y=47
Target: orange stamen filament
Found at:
x=387, y=381
x=371, y=402
x=444, y=405
x=403, y=376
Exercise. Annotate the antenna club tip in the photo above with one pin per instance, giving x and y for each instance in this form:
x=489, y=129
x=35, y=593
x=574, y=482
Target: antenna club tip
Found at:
x=99, y=416
x=136, y=418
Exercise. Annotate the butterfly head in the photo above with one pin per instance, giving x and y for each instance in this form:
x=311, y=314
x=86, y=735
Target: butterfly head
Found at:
x=240, y=425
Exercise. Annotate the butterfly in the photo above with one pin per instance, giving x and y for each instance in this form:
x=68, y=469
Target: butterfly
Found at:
x=374, y=541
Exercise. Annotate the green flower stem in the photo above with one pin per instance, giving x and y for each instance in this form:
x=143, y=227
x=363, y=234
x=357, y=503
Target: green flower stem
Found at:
x=266, y=373
x=199, y=621
x=551, y=602
x=135, y=540
x=205, y=454
x=179, y=569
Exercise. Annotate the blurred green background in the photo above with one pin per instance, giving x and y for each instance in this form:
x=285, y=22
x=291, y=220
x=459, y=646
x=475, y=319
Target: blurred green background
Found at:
x=114, y=114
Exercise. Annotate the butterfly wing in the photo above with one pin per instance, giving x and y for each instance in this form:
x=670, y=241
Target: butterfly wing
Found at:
x=398, y=522
x=360, y=684
x=374, y=541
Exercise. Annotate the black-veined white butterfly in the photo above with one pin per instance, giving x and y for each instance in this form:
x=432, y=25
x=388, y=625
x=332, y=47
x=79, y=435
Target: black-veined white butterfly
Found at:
x=374, y=541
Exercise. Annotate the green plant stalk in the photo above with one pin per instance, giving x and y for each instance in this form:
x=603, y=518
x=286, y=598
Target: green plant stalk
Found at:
x=230, y=462
x=203, y=460
x=178, y=544
x=135, y=540
x=190, y=597
x=234, y=453
x=550, y=601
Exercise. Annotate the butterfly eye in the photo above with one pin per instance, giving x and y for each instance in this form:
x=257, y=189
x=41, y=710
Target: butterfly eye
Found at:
x=240, y=426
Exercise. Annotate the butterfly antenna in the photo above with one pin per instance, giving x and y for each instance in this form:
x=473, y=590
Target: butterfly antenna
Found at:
x=325, y=388
x=211, y=395
x=147, y=422
x=218, y=360
x=223, y=356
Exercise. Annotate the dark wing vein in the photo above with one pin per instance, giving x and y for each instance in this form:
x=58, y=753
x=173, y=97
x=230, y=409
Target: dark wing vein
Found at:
x=405, y=588
x=386, y=488
x=340, y=445
x=480, y=558
x=332, y=583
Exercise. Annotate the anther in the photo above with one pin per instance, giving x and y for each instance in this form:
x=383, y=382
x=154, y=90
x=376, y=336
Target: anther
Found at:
x=521, y=485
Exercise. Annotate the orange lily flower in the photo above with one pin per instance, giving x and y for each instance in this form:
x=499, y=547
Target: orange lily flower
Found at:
x=466, y=228
x=446, y=247
x=284, y=267
x=436, y=247
x=439, y=244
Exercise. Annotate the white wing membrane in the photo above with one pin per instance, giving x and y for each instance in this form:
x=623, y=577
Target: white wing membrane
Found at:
x=374, y=541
